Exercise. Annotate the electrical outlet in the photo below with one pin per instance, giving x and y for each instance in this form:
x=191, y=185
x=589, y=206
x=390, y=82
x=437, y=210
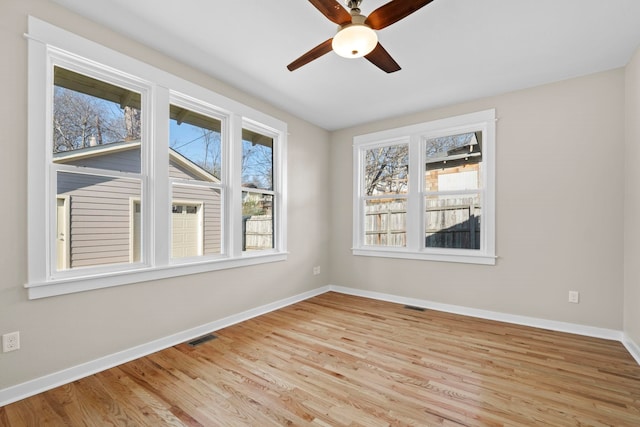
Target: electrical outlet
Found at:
x=10, y=342
x=574, y=297
x=316, y=270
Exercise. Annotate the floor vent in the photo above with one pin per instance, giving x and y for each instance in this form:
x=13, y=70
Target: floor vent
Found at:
x=413, y=307
x=203, y=339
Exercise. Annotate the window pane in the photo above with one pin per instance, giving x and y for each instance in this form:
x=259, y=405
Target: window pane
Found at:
x=385, y=222
x=453, y=162
x=257, y=160
x=194, y=146
x=453, y=221
x=91, y=119
x=257, y=221
x=196, y=221
x=387, y=170
x=98, y=221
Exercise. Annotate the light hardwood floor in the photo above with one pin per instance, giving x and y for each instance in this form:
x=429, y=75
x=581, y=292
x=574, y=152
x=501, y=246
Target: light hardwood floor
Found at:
x=338, y=360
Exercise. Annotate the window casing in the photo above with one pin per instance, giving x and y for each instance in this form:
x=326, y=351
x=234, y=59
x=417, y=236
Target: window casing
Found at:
x=427, y=191
x=116, y=201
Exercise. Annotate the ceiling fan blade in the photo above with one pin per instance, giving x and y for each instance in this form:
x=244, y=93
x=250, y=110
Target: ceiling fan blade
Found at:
x=392, y=12
x=381, y=59
x=315, y=53
x=333, y=11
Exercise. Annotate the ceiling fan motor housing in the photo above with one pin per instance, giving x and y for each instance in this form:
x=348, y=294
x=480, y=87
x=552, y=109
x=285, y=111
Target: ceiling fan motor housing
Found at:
x=354, y=6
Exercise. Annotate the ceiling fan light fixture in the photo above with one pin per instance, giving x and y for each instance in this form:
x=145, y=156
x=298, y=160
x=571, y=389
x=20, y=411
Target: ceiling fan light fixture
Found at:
x=356, y=35
x=354, y=41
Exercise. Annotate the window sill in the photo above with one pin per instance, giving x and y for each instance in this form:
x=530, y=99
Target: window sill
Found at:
x=453, y=255
x=80, y=284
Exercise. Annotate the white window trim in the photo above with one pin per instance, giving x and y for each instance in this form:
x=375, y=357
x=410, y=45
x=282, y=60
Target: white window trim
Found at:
x=278, y=166
x=413, y=135
x=46, y=41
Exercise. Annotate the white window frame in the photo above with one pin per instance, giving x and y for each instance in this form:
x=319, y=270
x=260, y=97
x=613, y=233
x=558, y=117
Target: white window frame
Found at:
x=60, y=58
x=47, y=45
x=187, y=102
x=415, y=135
x=276, y=208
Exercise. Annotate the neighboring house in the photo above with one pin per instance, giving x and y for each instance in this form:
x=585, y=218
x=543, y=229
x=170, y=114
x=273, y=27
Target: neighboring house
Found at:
x=90, y=233
x=453, y=221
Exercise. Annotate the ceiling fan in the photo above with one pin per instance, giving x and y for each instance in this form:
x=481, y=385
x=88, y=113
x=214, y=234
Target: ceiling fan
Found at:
x=356, y=36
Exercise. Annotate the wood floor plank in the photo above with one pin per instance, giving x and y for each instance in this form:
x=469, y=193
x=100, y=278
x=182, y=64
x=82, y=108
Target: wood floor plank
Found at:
x=339, y=360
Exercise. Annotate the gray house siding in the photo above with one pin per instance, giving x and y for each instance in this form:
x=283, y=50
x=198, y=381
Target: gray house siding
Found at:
x=99, y=217
x=124, y=161
x=180, y=173
x=100, y=208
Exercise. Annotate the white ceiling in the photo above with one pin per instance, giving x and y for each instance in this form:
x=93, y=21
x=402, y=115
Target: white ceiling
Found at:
x=450, y=50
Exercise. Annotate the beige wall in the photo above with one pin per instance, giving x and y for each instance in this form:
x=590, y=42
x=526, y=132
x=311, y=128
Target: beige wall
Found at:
x=632, y=202
x=560, y=150
x=64, y=331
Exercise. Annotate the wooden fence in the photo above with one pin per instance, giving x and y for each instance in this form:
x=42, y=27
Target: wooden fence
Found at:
x=385, y=223
x=449, y=223
x=453, y=223
x=257, y=232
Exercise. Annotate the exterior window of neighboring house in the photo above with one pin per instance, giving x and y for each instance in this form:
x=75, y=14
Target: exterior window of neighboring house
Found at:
x=136, y=174
x=427, y=191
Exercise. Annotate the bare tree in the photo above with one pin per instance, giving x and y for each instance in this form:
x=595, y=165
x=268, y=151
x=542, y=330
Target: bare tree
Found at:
x=212, y=161
x=81, y=120
x=132, y=123
x=257, y=165
x=438, y=147
x=203, y=150
x=387, y=169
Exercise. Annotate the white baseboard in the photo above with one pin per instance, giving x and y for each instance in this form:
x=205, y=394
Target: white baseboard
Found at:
x=47, y=382
x=591, y=331
x=632, y=347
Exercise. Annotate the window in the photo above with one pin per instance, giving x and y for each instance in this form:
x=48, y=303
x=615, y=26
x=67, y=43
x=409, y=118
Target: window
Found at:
x=195, y=174
x=136, y=174
x=451, y=188
x=96, y=166
x=257, y=191
x=427, y=191
x=386, y=187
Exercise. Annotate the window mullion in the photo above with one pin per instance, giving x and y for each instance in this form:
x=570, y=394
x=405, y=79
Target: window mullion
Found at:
x=414, y=203
x=233, y=171
x=158, y=196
